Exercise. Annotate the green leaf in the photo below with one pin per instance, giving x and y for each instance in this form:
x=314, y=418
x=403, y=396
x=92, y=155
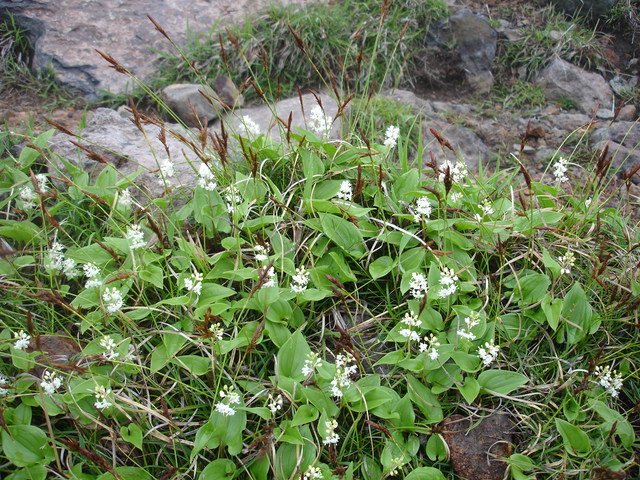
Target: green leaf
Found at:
x=21, y=231
x=501, y=382
x=470, y=389
x=425, y=473
x=195, y=364
x=26, y=445
x=612, y=419
x=575, y=440
x=305, y=414
x=381, y=266
x=551, y=310
x=533, y=287
x=551, y=263
x=132, y=433
x=436, y=448
x=218, y=470
x=424, y=399
x=344, y=234
x=577, y=313
x=292, y=356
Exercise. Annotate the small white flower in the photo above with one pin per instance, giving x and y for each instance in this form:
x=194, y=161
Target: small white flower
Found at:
x=110, y=352
x=225, y=409
x=319, y=122
x=50, y=382
x=251, y=128
x=41, y=180
x=194, y=283
x=135, y=236
x=313, y=473
x=300, y=280
x=101, y=394
x=430, y=346
x=609, y=379
x=229, y=397
x=410, y=334
x=567, y=262
x=4, y=383
x=587, y=202
x=311, y=363
x=92, y=272
x=488, y=353
x=457, y=171
x=217, y=331
x=448, y=280
x=331, y=437
x=69, y=268
x=22, y=340
x=346, y=191
x=125, y=199
x=391, y=136
x=275, y=404
x=55, y=257
x=418, y=285
x=206, y=178
x=454, y=197
x=470, y=322
x=261, y=253
x=560, y=170
x=422, y=209
x=166, y=169
x=270, y=278
x=411, y=319
x=487, y=208
x=27, y=194
x=344, y=369
x=232, y=197
x=112, y=299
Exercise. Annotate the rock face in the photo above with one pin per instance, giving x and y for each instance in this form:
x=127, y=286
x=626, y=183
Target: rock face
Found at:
x=589, y=8
x=563, y=80
x=67, y=33
x=478, y=450
x=462, y=46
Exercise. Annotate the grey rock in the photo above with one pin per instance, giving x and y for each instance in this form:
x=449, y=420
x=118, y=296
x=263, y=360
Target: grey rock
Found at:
x=299, y=108
x=461, y=47
x=623, y=139
x=628, y=113
x=113, y=135
x=604, y=114
x=623, y=84
x=194, y=104
x=562, y=80
x=66, y=34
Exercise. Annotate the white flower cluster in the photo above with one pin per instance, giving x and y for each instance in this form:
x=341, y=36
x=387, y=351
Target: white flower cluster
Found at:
x=22, y=340
x=4, y=383
x=270, y=279
x=313, y=473
x=261, y=253
x=125, y=200
x=250, y=127
x=448, y=280
x=488, y=353
x=430, y=346
x=458, y=171
x=487, y=208
x=166, y=169
x=320, y=123
x=193, y=283
x=346, y=191
x=112, y=299
x=229, y=397
x=300, y=280
x=217, y=331
x=418, y=285
x=28, y=195
x=344, y=370
x=275, y=403
x=135, y=236
x=411, y=320
x=110, y=352
x=391, y=136
x=422, y=209
x=101, y=394
x=609, y=379
x=560, y=170
x=56, y=261
x=470, y=322
x=232, y=198
x=92, y=272
x=331, y=437
x=567, y=262
x=310, y=364
x=206, y=178
x=50, y=382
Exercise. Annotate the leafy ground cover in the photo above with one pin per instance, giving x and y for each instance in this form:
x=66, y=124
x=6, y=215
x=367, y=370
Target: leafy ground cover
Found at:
x=311, y=308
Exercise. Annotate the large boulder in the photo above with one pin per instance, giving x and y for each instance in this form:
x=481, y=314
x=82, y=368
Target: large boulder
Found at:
x=563, y=80
x=66, y=34
x=623, y=140
x=461, y=47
